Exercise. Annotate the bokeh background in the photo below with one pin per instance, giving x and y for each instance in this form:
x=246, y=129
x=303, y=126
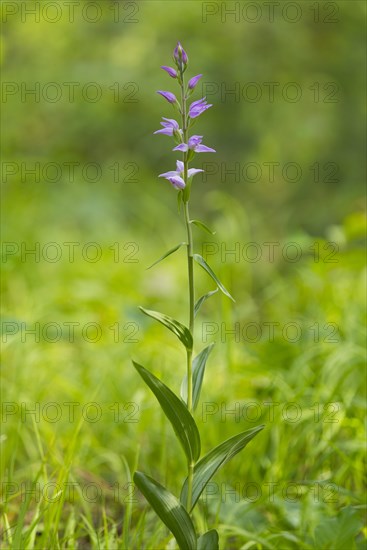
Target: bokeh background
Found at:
x=80, y=165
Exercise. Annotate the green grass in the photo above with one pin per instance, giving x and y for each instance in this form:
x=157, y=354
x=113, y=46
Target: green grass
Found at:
x=79, y=468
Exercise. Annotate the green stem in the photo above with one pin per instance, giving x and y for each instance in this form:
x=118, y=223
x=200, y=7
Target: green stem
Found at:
x=190, y=268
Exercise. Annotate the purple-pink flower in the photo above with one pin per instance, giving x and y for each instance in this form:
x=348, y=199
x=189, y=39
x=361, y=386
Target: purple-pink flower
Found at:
x=172, y=72
x=194, y=144
x=171, y=98
x=170, y=127
x=175, y=177
x=198, y=107
x=193, y=81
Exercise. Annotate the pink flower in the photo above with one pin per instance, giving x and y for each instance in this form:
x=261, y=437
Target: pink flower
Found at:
x=194, y=144
x=175, y=177
x=170, y=127
x=198, y=107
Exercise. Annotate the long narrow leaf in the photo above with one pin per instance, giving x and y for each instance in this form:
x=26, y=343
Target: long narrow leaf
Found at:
x=200, y=260
x=171, y=251
x=182, y=332
x=202, y=225
x=203, y=299
x=182, y=422
x=198, y=369
x=169, y=509
x=209, y=541
x=215, y=459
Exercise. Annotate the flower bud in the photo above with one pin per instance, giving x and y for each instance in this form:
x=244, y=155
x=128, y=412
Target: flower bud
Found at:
x=170, y=71
x=169, y=96
x=194, y=80
x=180, y=57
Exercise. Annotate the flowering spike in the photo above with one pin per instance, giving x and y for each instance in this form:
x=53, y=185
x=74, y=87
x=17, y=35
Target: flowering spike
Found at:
x=181, y=177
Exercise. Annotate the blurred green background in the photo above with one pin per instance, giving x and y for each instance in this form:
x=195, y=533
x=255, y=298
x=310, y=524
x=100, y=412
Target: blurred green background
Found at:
x=80, y=165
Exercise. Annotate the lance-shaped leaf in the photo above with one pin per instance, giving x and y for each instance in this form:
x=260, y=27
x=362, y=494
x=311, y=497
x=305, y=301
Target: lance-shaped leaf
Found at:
x=171, y=251
x=203, y=299
x=182, y=422
x=169, y=509
x=200, y=260
x=182, y=332
x=215, y=459
x=198, y=369
x=209, y=541
x=202, y=226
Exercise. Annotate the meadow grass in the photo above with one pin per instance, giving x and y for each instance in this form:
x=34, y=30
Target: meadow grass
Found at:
x=68, y=483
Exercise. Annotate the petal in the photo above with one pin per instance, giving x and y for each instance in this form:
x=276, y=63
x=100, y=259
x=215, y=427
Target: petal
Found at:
x=165, y=131
x=198, y=110
x=171, y=122
x=182, y=147
x=198, y=102
x=204, y=149
x=177, y=182
x=194, y=141
x=180, y=166
x=193, y=171
x=168, y=175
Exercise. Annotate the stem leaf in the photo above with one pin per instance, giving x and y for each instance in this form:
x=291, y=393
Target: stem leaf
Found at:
x=203, y=299
x=200, y=260
x=182, y=422
x=182, y=332
x=215, y=459
x=203, y=226
x=169, y=510
x=171, y=251
x=209, y=541
x=198, y=369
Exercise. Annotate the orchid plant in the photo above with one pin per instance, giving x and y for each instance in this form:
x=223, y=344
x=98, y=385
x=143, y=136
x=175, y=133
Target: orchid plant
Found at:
x=177, y=513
